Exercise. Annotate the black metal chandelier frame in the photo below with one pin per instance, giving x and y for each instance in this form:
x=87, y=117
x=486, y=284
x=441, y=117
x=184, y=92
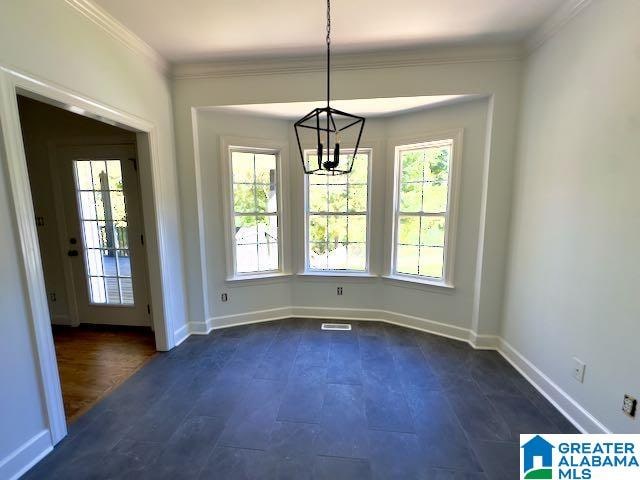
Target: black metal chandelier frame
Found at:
x=328, y=160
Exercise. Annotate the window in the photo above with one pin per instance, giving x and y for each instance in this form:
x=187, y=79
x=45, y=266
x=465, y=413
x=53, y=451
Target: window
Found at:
x=336, y=218
x=422, y=211
x=103, y=218
x=255, y=211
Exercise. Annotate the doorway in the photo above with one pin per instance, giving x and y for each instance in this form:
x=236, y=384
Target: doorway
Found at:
x=99, y=197
x=85, y=188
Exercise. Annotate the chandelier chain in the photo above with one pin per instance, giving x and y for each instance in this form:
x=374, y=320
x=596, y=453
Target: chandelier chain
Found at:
x=328, y=57
x=328, y=22
x=332, y=156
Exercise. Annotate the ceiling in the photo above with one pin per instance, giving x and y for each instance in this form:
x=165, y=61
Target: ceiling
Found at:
x=199, y=30
x=368, y=107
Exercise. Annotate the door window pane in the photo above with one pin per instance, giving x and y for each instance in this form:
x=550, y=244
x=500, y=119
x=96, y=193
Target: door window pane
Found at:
x=105, y=231
x=98, y=291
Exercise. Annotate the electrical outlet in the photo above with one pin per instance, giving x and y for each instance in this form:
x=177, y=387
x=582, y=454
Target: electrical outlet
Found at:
x=629, y=405
x=339, y=290
x=52, y=296
x=224, y=297
x=578, y=369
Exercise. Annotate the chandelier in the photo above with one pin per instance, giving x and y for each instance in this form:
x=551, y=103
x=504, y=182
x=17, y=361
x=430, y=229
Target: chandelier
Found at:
x=333, y=131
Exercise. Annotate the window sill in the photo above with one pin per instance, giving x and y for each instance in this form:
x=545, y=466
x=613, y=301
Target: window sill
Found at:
x=420, y=283
x=257, y=279
x=342, y=276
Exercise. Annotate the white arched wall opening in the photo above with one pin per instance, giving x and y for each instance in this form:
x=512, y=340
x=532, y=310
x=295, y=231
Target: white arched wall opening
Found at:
x=493, y=74
x=445, y=311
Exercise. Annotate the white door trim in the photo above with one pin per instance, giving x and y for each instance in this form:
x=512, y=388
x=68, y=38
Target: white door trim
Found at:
x=11, y=83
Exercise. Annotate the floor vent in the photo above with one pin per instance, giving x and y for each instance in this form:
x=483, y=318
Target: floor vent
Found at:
x=336, y=326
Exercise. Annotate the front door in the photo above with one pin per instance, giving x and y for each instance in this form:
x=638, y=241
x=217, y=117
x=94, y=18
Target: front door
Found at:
x=104, y=225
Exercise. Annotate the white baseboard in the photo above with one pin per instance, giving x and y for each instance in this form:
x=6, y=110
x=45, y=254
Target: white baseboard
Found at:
x=386, y=316
x=249, y=317
x=181, y=334
x=16, y=464
x=570, y=408
x=353, y=314
x=484, y=342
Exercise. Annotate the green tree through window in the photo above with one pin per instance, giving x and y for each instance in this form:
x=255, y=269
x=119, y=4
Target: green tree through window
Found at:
x=255, y=211
x=337, y=216
x=422, y=209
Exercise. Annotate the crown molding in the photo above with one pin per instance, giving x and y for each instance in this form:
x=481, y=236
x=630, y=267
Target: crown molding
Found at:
x=353, y=61
x=118, y=31
x=555, y=23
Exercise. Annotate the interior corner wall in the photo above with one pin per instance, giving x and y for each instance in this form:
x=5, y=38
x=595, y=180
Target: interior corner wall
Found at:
x=449, y=307
x=42, y=125
x=574, y=266
x=212, y=126
x=55, y=43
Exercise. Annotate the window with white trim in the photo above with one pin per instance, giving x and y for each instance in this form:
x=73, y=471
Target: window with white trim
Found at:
x=337, y=218
x=422, y=210
x=255, y=211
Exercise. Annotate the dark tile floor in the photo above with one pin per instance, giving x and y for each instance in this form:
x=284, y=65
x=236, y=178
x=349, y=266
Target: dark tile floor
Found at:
x=285, y=400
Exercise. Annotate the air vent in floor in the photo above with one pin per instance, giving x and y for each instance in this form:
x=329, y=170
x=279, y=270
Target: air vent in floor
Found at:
x=336, y=326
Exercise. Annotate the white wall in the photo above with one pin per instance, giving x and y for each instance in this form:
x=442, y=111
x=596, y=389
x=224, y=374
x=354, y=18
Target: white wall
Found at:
x=21, y=408
x=55, y=43
x=498, y=78
x=574, y=266
x=211, y=126
x=450, y=307
x=43, y=124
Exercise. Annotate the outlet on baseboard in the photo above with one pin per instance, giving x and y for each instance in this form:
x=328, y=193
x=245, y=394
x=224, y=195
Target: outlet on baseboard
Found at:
x=578, y=369
x=339, y=290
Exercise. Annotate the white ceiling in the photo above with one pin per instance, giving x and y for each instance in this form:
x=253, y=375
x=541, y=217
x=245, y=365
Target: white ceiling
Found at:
x=198, y=30
x=368, y=107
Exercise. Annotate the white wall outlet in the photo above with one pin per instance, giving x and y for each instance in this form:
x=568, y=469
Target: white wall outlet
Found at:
x=224, y=297
x=578, y=369
x=339, y=290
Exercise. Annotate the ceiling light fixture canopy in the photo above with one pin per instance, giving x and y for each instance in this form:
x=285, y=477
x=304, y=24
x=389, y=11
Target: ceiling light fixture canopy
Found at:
x=332, y=131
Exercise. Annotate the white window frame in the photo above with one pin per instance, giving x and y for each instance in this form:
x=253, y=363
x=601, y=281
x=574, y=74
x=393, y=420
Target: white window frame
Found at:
x=253, y=145
x=339, y=273
x=397, y=146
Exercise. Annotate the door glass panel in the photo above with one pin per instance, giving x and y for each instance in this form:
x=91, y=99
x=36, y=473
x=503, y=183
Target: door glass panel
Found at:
x=105, y=231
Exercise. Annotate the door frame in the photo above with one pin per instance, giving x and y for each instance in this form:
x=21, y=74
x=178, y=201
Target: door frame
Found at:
x=53, y=153
x=156, y=226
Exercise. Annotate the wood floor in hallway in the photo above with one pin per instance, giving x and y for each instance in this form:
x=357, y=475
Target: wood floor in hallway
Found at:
x=92, y=360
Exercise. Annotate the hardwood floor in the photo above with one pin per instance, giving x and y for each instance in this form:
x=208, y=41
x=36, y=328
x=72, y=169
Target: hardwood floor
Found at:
x=92, y=360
